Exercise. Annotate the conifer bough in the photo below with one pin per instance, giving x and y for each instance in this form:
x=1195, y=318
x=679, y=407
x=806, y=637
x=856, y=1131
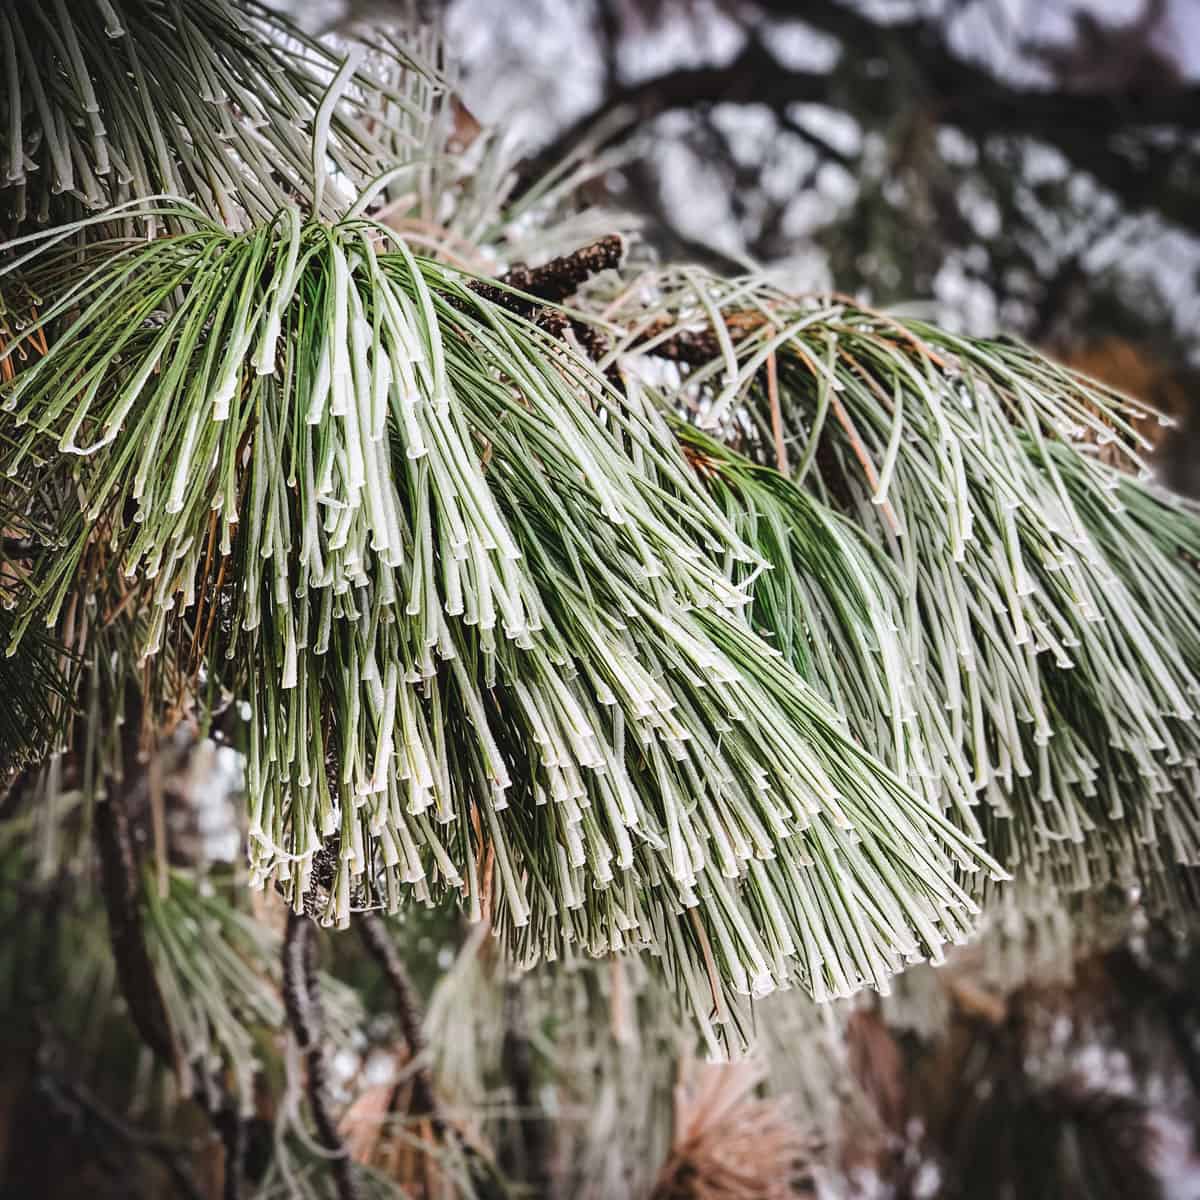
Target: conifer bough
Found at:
x=507, y=631
x=106, y=101
x=1046, y=603
x=476, y=602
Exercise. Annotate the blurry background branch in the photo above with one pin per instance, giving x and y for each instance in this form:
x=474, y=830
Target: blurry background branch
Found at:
x=1111, y=129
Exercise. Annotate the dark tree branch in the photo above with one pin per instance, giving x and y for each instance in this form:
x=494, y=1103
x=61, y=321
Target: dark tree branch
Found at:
x=607, y=25
x=754, y=77
x=528, y=1154
x=302, y=1002
x=823, y=147
x=121, y=889
x=554, y=282
x=382, y=949
x=373, y=931
x=231, y=1128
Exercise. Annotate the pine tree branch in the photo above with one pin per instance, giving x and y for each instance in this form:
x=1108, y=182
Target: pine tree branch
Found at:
x=121, y=891
x=554, y=281
x=690, y=347
x=302, y=1002
x=382, y=949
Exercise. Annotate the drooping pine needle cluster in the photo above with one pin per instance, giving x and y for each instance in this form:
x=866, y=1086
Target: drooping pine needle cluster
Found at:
x=476, y=603
x=1043, y=601
x=108, y=101
x=763, y=667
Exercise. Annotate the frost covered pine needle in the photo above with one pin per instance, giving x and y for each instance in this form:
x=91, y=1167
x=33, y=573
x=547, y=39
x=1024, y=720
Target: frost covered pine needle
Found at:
x=476, y=602
x=1041, y=594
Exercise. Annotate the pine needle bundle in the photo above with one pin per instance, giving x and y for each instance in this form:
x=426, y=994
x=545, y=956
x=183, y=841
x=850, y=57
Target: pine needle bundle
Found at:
x=111, y=100
x=476, y=603
x=1050, y=682
x=832, y=604
x=36, y=685
x=37, y=682
x=221, y=1004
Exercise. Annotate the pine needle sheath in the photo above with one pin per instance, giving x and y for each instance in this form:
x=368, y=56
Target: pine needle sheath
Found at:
x=545, y=649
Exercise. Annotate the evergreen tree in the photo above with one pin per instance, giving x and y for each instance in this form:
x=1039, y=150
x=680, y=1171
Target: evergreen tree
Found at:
x=607, y=644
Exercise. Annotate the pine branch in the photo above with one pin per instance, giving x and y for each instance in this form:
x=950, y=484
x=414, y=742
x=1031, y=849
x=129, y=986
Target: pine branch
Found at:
x=382, y=949
x=546, y=514
x=554, y=282
x=143, y=104
x=302, y=1000
x=557, y=280
x=696, y=347
x=121, y=889
x=892, y=391
x=425, y=1101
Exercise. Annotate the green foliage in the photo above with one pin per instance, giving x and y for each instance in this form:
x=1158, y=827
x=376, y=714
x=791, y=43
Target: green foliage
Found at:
x=36, y=694
x=444, y=556
x=1046, y=602
x=762, y=673
x=106, y=102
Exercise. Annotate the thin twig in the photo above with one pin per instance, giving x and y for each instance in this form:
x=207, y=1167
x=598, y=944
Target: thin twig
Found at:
x=781, y=460
x=302, y=1001
x=424, y=1099
x=556, y=280
x=382, y=949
